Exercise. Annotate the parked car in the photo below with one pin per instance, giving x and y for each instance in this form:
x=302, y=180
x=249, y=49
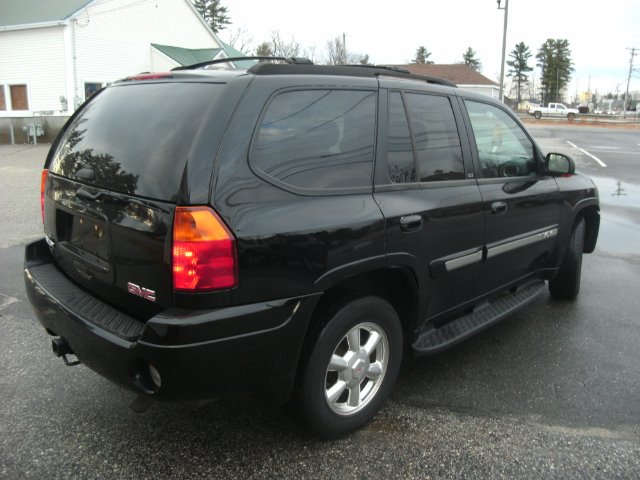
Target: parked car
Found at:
x=291, y=230
x=553, y=110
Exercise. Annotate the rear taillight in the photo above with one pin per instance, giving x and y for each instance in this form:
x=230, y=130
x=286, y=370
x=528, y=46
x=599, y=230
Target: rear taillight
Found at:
x=204, y=251
x=43, y=184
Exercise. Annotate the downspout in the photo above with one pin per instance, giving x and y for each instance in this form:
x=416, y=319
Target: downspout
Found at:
x=76, y=98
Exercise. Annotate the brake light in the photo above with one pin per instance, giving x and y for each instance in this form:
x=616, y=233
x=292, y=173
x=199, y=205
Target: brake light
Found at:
x=43, y=184
x=204, y=251
x=149, y=76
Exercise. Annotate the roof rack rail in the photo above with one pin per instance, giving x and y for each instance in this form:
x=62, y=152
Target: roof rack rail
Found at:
x=288, y=60
x=346, y=70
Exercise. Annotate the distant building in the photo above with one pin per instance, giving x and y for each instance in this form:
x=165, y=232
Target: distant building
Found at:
x=462, y=75
x=55, y=54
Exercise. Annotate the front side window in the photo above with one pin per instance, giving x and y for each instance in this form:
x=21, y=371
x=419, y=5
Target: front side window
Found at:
x=317, y=139
x=503, y=147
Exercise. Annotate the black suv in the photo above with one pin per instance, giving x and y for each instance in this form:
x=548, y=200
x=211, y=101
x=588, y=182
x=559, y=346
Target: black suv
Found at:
x=291, y=229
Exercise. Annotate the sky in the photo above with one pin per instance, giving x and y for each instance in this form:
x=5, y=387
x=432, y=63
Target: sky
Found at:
x=599, y=33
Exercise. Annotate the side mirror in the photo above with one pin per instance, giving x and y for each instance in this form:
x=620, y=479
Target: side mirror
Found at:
x=559, y=164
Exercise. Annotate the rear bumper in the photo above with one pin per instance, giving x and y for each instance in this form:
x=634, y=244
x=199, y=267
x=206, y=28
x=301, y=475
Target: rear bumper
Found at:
x=198, y=353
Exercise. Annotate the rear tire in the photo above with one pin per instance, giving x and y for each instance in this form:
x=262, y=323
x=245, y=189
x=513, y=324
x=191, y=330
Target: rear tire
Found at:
x=537, y=115
x=566, y=284
x=352, y=367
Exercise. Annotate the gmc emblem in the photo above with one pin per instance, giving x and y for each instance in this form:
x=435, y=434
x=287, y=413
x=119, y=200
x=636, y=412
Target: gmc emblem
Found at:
x=141, y=292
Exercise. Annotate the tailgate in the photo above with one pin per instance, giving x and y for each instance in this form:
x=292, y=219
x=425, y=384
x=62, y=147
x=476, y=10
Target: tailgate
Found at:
x=113, y=183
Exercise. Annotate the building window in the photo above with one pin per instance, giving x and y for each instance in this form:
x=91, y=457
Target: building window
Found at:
x=90, y=88
x=3, y=102
x=19, y=98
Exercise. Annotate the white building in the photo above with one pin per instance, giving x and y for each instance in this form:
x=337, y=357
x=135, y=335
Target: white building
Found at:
x=54, y=54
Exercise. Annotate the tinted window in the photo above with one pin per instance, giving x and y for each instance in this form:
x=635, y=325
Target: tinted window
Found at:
x=136, y=137
x=504, y=149
x=317, y=139
x=435, y=135
x=399, y=148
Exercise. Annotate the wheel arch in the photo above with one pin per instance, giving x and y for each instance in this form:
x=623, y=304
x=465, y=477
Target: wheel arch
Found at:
x=396, y=285
x=591, y=215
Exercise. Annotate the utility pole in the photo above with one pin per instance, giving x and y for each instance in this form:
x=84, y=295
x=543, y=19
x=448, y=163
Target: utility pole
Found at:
x=504, y=45
x=626, y=94
x=344, y=46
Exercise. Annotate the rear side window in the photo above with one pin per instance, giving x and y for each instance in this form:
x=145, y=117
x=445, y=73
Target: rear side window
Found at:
x=317, y=139
x=136, y=137
x=423, y=144
x=435, y=137
x=402, y=168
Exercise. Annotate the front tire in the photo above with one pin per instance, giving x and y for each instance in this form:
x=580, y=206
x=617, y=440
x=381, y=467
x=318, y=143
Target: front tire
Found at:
x=566, y=284
x=352, y=367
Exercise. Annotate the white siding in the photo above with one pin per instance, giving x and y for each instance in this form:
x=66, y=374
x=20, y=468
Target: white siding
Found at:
x=113, y=38
x=160, y=62
x=490, y=90
x=35, y=57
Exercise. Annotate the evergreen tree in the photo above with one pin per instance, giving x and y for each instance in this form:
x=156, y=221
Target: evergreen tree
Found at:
x=422, y=55
x=365, y=60
x=519, y=67
x=264, y=50
x=213, y=13
x=554, y=59
x=469, y=58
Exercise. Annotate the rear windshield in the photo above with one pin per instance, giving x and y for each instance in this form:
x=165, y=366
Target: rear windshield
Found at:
x=135, y=138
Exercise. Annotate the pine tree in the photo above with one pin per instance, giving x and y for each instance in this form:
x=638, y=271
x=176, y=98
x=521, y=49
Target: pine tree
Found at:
x=264, y=50
x=213, y=13
x=469, y=58
x=422, y=55
x=554, y=59
x=519, y=67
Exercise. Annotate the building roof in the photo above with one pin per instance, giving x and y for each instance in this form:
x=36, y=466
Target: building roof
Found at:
x=187, y=56
x=232, y=52
x=28, y=12
x=191, y=56
x=460, y=74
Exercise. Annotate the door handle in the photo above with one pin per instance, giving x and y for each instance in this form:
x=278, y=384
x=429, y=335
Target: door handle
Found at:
x=498, y=208
x=410, y=223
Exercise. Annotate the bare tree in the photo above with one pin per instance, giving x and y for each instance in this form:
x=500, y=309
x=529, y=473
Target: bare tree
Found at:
x=240, y=39
x=336, y=52
x=281, y=48
x=277, y=47
x=309, y=52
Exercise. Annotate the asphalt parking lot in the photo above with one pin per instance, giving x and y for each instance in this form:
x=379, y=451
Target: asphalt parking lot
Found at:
x=552, y=392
